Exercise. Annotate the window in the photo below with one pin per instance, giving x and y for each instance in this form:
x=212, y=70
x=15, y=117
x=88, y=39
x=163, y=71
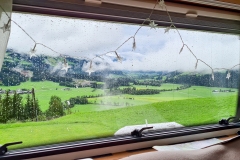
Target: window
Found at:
x=67, y=86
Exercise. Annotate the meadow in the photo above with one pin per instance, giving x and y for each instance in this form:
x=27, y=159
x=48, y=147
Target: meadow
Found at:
x=135, y=100
x=196, y=105
x=44, y=90
x=89, y=125
x=163, y=86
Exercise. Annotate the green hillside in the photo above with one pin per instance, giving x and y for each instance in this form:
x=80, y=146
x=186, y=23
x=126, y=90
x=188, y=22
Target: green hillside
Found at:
x=90, y=125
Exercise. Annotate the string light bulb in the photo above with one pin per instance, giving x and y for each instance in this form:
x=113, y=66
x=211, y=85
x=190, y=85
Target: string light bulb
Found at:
x=118, y=57
x=168, y=29
x=212, y=75
x=196, y=64
x=65, y=66
x=33, y=51
x=90, y=69
x=228, y=75
x=134, y=44
x=181, y=49
x=6, y=27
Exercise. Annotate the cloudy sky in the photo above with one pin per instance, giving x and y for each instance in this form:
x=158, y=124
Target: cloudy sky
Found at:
x=155, y=50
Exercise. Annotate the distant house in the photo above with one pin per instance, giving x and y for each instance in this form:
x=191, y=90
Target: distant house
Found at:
x=26, y=73
x=86, y=84
x=19, y=91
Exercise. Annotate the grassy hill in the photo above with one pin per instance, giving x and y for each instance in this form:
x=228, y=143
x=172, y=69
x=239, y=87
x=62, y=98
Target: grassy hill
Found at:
x=94, y=124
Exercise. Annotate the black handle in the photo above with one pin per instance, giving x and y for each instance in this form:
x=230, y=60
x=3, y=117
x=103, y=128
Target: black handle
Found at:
x=4, y=149
x=138, y=133
x=226, y=121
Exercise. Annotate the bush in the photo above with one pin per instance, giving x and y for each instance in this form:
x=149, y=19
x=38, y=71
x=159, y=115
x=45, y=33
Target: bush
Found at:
x=42, y=117
x=12, y=121
x=55, y=109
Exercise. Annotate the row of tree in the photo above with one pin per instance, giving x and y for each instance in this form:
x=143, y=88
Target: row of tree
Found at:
x=77, y=100
x=220, y=79
x=135, y=91
x=151, y=82
x=13, y=108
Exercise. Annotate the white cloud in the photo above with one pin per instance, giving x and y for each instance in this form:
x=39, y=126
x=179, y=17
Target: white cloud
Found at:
x=155, y=50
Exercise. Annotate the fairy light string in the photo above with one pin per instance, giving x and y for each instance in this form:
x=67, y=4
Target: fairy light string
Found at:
x=151, y=24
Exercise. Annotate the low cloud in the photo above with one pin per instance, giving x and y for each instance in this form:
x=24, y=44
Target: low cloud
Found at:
x=155, y=50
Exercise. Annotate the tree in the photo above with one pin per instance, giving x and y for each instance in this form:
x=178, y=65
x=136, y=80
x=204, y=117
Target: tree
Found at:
x=29, y=109
x=37, y=110
x=35, y=105
x=1, y=108
x=55, y=107
x=32, y=108
x=21, y=113
x=17, y=107
x=6, y=107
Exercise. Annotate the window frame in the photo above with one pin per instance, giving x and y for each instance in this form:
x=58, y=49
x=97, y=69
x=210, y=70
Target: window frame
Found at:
x=130, y=14
x=118, y=141
x=123, y=14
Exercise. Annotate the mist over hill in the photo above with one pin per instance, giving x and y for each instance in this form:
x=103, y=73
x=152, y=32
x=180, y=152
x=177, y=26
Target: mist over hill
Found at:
x=19, y=68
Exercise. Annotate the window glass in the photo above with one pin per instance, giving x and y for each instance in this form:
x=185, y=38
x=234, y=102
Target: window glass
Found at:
x=71, y=91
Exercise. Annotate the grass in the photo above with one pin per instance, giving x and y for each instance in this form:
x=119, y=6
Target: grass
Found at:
x=44, y=91
x=51, y=60
x=163, y=86
x=193, y=106
x=88, y=125
x=192, y=92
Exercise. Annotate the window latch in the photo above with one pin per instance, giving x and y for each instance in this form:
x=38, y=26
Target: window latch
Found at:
x=4, y=149
x=138, y=133
x=226, y=121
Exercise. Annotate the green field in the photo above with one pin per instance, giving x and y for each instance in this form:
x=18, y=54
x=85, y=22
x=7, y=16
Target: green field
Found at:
x=89, y=125
x=192, y=92
x=44, y=91
x=163, y=86
x=193, y=106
